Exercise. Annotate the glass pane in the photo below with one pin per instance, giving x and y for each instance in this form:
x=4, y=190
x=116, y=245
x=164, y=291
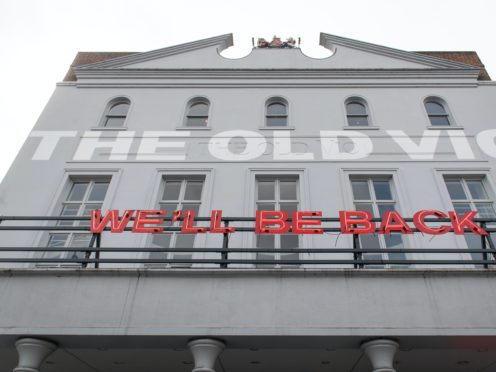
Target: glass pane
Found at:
x=356, y=108
x=486, y=210
x=461, y=208
x=276, y=109
x=277, y=121
x=266, y=190
x=81, y=240
x=114, y=122
x=287, y=190
x=477, y=189
x=358, y=121
x=196, y=121
x=289, y=207
x=434, y=108
x=119, y=109
x=360, y=190
x=87, y=208
x=170, y=208
x=185, y=240
x=160, y=241
x=172, y=190
x=78, y=190
x=289, y=241
x=193, y=190
x=369, y=241
x=394, y=241
x=69, y=210
x=439, y=120
x=98, y=191
x=265, y=241
x=198, y=109
x=383, y=207
x=57, y=240
x=382, y=190
x=455, y=190
x=191, y=206
x=364, y=207
x=265, y=206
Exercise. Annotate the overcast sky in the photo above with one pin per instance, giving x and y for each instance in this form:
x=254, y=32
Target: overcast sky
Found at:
x=39, y=39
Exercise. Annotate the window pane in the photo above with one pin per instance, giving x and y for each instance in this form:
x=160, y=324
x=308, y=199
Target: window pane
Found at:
x=198, y=109
x=265, y=241
x=289, y=241
x=486, y=210
x=160, y=241
x=461, y=208
x=70, y=209
x=434, y=108
x=185, y=241
x=382, y=190
x=276, y=109
x=360, y=190
x=172, y=190
x=78, y=190
x=170, y=208
x=289, y=207
x=394, y=241
x=87, y=208
x=98, y=191
x=455, y=190
x=439, y=120
x=358, y=121
x=193, y=190
x=119, y=109
x=287, y=190
x=364, y=207
x=57, y=240
x=356, y=108
x=191, y=206
x=277, y=121
x=196, y=121
x=384, y=207
x=265, y=206
x=114, y=122
x=477, y=189
x=370, y=241
x=266, y=190
x=81, y=240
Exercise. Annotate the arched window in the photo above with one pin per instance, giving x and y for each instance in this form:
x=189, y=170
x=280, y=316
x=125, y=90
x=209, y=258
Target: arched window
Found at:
x=437, y=112
x=356, y=113
x=116, y=113
x=276, y=113
x=197, y=113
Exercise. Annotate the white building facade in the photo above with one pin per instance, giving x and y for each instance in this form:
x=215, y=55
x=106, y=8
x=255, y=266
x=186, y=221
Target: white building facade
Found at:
x=369, y=128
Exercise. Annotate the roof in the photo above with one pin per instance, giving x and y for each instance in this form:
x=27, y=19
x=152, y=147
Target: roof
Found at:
x=470, y=58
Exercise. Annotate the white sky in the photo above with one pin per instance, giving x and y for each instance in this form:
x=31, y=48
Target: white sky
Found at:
x=39, y=39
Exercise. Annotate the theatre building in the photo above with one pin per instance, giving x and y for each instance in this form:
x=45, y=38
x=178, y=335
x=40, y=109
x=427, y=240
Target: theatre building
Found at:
x=177, y=210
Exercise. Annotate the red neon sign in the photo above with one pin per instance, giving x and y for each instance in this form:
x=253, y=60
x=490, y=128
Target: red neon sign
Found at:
x=276, y=222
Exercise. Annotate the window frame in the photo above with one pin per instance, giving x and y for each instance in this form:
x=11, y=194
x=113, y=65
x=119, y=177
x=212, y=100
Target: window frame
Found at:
x=276, y=100
x=362, y=101
x=448, y=114
x=110, y=104
x=191, y=102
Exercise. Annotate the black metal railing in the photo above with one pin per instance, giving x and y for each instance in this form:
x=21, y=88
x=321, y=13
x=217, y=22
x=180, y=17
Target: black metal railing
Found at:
x=355, y=257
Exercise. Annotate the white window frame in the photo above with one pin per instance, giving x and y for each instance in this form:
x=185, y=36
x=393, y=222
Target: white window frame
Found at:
x=191, y=101
x=370, y=117
x=277, y=99
x=452, y=122
x=109, y=104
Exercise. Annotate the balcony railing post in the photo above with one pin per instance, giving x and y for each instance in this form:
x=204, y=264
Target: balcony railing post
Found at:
x=97, y=253
x=356, y=255
x=225, y=245
x=484, y=245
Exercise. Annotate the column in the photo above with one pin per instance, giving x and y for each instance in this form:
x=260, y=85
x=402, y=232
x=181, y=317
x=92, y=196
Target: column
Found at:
x=205, y=352
x=32, y=352
x=381, y=354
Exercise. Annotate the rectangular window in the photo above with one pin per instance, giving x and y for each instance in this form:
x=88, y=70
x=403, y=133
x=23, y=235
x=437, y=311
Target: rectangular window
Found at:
x=469, y=193
x=178, y=193
x=84, y=195
x=277, y=193
x=376, y=195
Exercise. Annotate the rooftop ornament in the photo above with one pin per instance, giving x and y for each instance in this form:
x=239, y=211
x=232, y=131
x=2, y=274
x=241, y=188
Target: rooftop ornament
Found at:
x=276, y=43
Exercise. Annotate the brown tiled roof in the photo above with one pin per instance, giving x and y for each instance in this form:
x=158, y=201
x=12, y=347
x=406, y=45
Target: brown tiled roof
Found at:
x=469, y=58
x=84, y=58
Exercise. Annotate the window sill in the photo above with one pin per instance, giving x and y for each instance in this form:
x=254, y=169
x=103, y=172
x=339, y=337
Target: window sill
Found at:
x=276, y=128
x=193, y=128
x=444, y=127
x=360, y=127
